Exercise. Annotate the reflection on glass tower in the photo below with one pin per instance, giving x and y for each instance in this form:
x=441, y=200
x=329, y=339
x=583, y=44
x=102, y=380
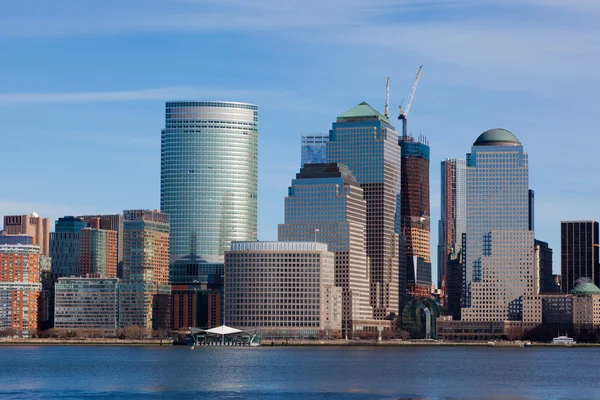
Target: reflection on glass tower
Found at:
x=209, y=178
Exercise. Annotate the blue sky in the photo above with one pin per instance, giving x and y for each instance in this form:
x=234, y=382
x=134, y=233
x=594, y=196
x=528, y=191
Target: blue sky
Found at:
x=84, y=84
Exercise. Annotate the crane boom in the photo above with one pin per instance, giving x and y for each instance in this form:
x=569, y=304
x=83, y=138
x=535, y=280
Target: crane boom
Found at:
x=404, y=112
x=387, y=97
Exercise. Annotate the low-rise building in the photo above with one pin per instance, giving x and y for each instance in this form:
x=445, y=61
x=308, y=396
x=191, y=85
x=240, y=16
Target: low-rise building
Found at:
x=87, y=303
x=285, y=289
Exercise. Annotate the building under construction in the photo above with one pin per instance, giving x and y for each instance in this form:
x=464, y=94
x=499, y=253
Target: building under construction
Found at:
x=415, y=214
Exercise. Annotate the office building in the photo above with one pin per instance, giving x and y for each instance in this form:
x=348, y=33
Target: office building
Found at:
x=31, y=225
x=365, y=141
x=285, y=289
x=98, y=251
x=314, y=149
x=209, y=176
x=19, y=288
x=325, y=204
x=65, y=247
x=415, y=215
x=578, y=253
x=196, y=305
x=453, y=222
x=87, y=303
x=145, y=293
x=112, y=222
x=46, y=298
x=499, y=267
x=543, y=264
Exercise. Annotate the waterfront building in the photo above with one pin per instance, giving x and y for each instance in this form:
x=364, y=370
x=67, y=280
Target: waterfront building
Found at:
x=46, y=299
x=284, y=289
x=209, y=176
x=365, y=141
x=31, y=225
x=543, y=264
x=579, y=253
x=112, y=222
x=87, y=303
x=452, y=223
x=326, y=204
x=415, y=215
x=314, y=149
x=196, y=305
x=98, y=251
x=145, y=292
x=19, y=288
x=499, y=268
x=65, y=247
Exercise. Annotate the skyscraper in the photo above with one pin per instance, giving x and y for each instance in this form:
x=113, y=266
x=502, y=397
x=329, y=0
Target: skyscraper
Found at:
x=98, y=251
x=578, y=253
x=115, y=223
x=65, y=247
x=314, y=149
x=144, y=293
x=499, y=245
x=209, y=176
x=452, y=223
x=31, y=225
x=365, y=141
x=415, y=215
x=20, y=287
x=325, y=204
x=543, y=260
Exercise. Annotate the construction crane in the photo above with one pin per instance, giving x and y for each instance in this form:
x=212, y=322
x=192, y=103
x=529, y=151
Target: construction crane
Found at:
x=404, y=111
x=387, y=97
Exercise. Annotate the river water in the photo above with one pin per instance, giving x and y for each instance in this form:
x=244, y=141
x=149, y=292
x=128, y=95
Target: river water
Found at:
x=296, y=373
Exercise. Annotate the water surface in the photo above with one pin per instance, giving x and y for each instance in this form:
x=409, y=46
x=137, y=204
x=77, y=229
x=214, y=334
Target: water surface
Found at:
x=299, y=373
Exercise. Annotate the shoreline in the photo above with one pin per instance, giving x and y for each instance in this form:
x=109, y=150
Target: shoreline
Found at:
x=279, y=343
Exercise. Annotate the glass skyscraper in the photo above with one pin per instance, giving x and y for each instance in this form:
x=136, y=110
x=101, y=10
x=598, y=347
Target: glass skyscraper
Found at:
x=209, y=176
x=365, y=141
x=499, y=244
x=314, y=149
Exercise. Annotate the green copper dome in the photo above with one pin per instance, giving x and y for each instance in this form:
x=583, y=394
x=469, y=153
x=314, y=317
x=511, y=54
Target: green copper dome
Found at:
x=497, y=137
x=585, y=288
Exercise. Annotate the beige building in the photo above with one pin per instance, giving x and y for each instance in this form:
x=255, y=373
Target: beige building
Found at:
x=325, y=204
x=285, y=289
x=30, y=225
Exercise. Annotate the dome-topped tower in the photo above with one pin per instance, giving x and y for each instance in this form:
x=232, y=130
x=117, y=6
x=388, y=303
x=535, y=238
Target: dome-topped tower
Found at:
x=497, y=137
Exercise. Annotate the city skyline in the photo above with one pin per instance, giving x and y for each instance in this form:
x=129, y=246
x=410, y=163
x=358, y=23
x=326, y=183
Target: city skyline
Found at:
x=89, y=71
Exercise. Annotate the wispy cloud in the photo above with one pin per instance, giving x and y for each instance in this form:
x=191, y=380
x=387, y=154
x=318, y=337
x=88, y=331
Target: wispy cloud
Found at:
x=161, y=94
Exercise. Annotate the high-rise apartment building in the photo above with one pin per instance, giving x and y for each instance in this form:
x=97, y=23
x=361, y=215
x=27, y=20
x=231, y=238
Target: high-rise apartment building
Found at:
x=209, y=176
x=326, y=204
x=366, y=142
x=415, y=215
x=282, y=288
x=20, y=287
x=314, y=149
x=31, y=225
x=98, y=251
x=87, y=303
x=145, y=293
x=499, y=245
x=453, y=222
x=65, y=247
x=578, y=253
x=113, y=222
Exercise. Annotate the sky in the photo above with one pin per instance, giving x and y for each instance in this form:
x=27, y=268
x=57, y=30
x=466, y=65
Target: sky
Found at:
x=84, y=84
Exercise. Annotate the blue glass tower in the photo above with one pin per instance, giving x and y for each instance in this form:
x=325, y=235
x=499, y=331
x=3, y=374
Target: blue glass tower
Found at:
x=209, y=177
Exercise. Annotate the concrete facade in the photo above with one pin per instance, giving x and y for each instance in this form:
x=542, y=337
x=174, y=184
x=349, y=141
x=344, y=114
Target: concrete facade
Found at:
x=31, y=225
x=285, y=289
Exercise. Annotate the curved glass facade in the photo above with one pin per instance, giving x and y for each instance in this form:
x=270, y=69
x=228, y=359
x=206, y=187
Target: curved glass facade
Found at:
x=209, y=176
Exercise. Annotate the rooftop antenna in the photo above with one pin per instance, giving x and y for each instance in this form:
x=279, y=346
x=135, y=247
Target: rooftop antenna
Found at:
x=387, y=97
